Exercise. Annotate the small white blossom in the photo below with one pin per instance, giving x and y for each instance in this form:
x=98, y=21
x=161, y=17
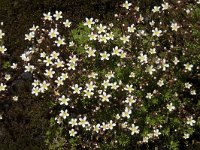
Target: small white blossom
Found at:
x=89, y=22
x=58, y=15
x=105, y=56
x=134, y=129
x=190, y=121
x=73, y=122
x=156, y=9
x=72, y=132
x=63, y=100
x=83, y=122
x=104, y=97
x=126, y=5
x=47, y=16
x=64, y=114
x=175, y=27
x=170, y=107
x=67, y=23
x=156, y=32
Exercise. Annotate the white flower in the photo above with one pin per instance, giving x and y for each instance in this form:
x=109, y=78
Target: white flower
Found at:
x=29, y=36
x=156, y=9
x=105, y=56
x=29, y=68
x=142, y=58
x=116, y=51
x=3, y=49
x=53, y=33
x=125, y=38
x=104, y=126
x=44, y=86
x=58, y=120
x=34, y=28
x=188, y=66
x=59, y=63
x=64, y=76
x=96, y=128
x=190, y=121
x=92, y=36
x=164, y=65
x=67, y=23
x=43, y=55
x=122, y=54
x=193, y=92
x=1, y=34
x=127, y=112
x=170, y=107
x=156, y=32
x=64, y=114
x=83, y=121
x=7, y=77
x=129, y=88
x=48, y=61
x=160, y=82
x=60, y=41
x=88, y=93
x=156, y=132
x=89, y=22
x=91, y=52
x=175, y=27
x=36, y=83
x=134, y=129
x=150, y=69
x=186, y=136
x=90, y=86
x=71, y=66
x=130, y=100
x=73, y=59
x=176, y=61
x=101, y=29
x=73, y=122
x=58, y=15
x=76, y=89
x=152, y=51
x=71, y=44
x=63, y=100
x=110, y=36
x=188, y=85
x=103, y=38
x=93, y=75
x=106, y=83
x=145, y=139
x=104, y=97
x=165, y=6
x=2, y=87
x=117, y=116
x=72, y=132
x=49, y=73
x=132, y=75
x=15, y=98
x=111, y=124
x=47, y=16
x=126, y=5
x=35, y=91
x=114, y=85
x=54, y=55
x=13, y=66
x=152, y=23
x=132, y=28
x=149, y=95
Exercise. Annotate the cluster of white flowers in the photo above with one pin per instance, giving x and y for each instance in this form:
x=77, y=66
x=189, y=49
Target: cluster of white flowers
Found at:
x=80, y=84
x=3, y=86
